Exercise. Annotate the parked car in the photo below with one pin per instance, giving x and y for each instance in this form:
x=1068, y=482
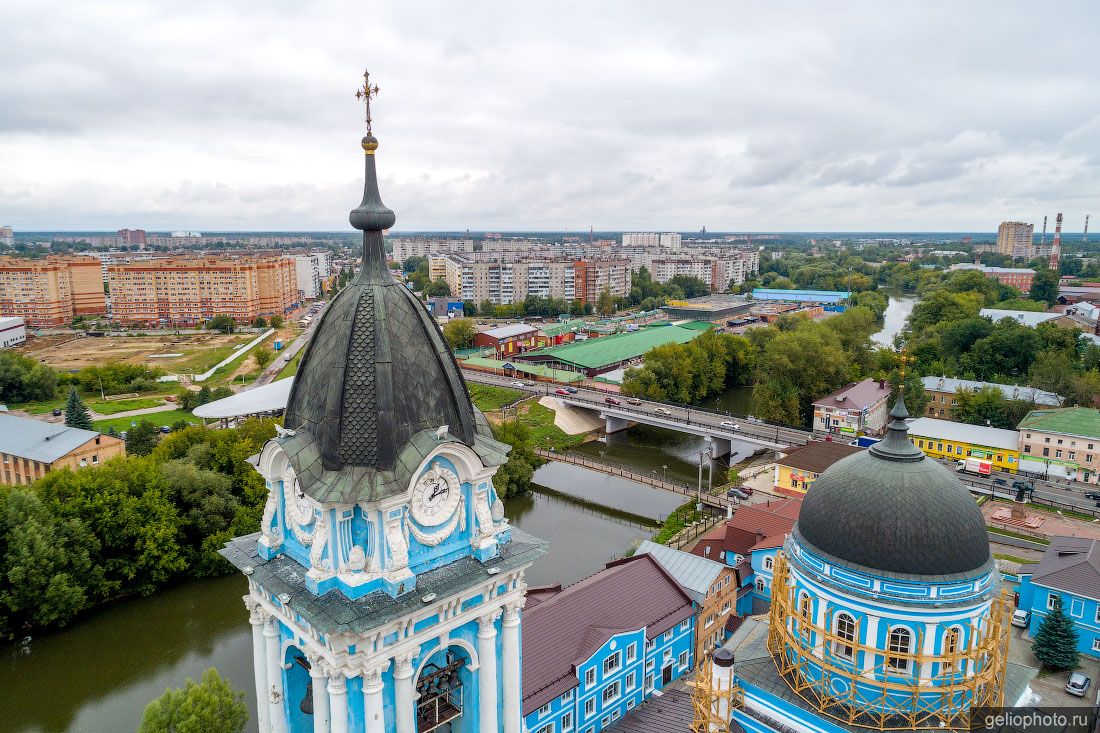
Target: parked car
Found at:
x=1093, y=495
x=57, y=412
x=730, y=425
x=1078, y=684
x=517, y=383
x=528, y=384
x=634, y=401
x=165, y=429
x=736, y=493
x=1021, y=618
x=611, y=401
x=572, y=390
x=662, y=411
x=561, y=391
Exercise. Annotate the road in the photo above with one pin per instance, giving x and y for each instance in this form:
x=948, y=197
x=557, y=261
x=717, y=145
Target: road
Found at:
x=268, y=375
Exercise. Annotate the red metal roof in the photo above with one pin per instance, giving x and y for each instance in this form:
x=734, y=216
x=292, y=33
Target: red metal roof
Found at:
x=750, y=524
x=566, y=628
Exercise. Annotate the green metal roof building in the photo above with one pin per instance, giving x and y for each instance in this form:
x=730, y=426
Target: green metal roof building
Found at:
x=598, y=355
x=1080, y=421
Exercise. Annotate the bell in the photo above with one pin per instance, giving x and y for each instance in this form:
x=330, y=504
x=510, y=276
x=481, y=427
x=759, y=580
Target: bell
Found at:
x=307, y=701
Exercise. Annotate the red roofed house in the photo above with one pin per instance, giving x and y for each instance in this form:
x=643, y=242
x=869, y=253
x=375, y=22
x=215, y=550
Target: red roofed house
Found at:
x=748, y=541
x=600, y=647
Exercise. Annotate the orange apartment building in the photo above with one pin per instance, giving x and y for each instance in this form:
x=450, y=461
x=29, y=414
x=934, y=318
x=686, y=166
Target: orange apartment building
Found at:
x=190, y=290
x=31, y=448
x=51, y=291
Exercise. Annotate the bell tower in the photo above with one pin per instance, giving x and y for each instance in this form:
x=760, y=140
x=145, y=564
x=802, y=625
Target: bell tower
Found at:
x=385, y=586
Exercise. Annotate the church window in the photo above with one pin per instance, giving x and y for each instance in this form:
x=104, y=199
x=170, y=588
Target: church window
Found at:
x=950, y=648
x=805, y=611
x=844, y=646
x=900, y=642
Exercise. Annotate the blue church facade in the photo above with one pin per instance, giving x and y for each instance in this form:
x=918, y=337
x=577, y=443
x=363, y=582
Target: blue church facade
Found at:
x=1070, y=571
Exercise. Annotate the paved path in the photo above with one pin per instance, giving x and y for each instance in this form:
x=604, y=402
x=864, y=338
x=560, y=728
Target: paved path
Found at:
x=134, y=413
x=268, y=375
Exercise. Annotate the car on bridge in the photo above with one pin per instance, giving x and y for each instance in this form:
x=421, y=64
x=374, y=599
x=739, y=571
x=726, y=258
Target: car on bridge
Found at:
x=561, y=390
x=634, y=401
x=730, y=425
x=662, y=411
x=611, y=401
x=572, y=390
x=1093, y=495
x=737, y=493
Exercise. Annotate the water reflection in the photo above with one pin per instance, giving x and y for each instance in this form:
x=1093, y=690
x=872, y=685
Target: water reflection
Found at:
x=897, y=312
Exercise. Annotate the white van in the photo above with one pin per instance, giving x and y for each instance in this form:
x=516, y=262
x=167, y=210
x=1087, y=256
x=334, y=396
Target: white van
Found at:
x=1021, y=618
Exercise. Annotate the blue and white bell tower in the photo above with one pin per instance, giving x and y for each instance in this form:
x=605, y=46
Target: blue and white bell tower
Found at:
x=385, y=585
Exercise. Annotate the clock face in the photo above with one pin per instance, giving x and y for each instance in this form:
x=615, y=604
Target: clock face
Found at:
x=435, y=496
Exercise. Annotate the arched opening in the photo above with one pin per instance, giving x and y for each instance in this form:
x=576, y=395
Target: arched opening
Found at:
x=844, y=646
x=951, y=639
x=298, y=691
x=899, y=642
x=769, y=562
x=805, y=616
x=445, y=693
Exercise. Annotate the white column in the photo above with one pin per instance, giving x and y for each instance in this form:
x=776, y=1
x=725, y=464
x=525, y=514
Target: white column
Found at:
x=487, y=671
x=511, y=670
x=256, y=617
x=274, y=676
x=318, y=675
x=372, y=699
x=338, y=701
x=404, y=694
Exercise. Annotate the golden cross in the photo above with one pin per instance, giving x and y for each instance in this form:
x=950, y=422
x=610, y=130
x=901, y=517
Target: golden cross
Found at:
x=366, y=94
x=904, y=359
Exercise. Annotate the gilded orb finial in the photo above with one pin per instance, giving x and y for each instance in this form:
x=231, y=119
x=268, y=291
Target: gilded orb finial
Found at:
x=364, y=95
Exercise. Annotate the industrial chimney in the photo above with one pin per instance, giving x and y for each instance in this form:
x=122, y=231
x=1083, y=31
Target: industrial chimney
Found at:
x=1056, y=245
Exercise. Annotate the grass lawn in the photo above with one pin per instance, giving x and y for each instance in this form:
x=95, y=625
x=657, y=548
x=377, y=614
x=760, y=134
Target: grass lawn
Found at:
x=157, y=418
x=199, y=361
x=291, y=367
x=110, y=407
x=1012, y=558
x=544, y=433
x=488, y=398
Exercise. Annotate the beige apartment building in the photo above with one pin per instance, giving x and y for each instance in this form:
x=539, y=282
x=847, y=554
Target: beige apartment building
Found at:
x=505, y=282
x=51, y=291
x=190, y=290
x=1015, y=239
x=31, y=448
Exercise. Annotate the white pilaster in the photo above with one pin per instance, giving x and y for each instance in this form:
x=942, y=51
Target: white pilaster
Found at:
x=372, y=699
x=510, y=668
x=404, y=694
x=318, y=674
x=338, y=701
x=274, y=676
x=256, y=617
x=487, y=671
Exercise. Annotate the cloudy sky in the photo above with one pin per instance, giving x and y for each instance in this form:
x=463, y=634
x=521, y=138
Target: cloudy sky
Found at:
x=779, y=116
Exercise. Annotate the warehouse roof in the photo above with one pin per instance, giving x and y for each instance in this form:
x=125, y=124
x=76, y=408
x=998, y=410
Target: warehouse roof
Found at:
x=1067, y=420
x=607, y=350
x=928, y=427
x=804, y=296
x=512, y=329
x=1026, y=318
x=951, y=385
x=36, y=440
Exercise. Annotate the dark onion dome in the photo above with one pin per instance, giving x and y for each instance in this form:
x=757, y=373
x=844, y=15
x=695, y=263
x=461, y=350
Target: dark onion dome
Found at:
x=377, y=371
x=891, y=510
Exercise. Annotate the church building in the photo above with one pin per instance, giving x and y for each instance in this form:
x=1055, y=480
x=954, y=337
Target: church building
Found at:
x=385, y=588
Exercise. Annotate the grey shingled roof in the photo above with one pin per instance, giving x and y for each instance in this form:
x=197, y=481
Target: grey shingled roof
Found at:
x=892, y=510
x=334, y=613
x=696, y=574
x=36, y=440
x=1071, y=564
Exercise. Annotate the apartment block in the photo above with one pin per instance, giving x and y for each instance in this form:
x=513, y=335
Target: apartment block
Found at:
x=666, y=240
x=404, y=248
x=311, y=270
x=51, y=291
x=190, y=290
x=1015, y=239
x=504, y=280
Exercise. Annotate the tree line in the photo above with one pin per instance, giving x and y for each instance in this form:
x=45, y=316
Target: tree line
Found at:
x=75, y=540
x=25, y=379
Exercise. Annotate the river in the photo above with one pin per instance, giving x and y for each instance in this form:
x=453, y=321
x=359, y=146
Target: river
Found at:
x=898, y=309
x=99, y=674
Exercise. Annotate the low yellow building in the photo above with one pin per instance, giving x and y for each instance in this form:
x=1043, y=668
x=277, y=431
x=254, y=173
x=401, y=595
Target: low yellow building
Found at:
x=29, y=449
x=797, y=470
x=959, y=441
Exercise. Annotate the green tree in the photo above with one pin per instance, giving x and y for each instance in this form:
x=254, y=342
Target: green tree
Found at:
x=259, y=322
x=514, y=477
x=1055, y=643
x=1044, y=287
x=212, y=706
x=605, y=303
x=263, y=356
x=691, y=286
x=142, y=438
x=437, y=289
x=23, y=379
x=469, y=308
x=222, y=323
x=797, y=367
x=277, y=321
x=460, y=333
x=76, y=413
x=486, y=308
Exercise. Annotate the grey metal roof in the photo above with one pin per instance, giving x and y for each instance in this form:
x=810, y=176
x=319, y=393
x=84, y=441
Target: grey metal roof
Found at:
x=1026, y=318
x=930, y=427
x=892, y=510
x=1010, y=391
x=334, y=612
x=1071, y=564
x=377, y=371
x=696, y=574
x=36, y=440
x=264, y=398
x=513, y=329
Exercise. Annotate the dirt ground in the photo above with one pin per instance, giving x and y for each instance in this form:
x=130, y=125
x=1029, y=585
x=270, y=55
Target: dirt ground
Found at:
x=70, y=353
